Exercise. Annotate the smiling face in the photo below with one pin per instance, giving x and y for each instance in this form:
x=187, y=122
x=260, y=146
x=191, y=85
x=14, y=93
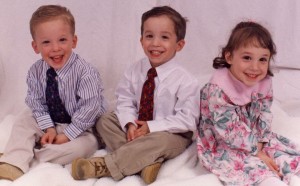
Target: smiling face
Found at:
x=55, y=41
x=249, y=64
x=159, y=40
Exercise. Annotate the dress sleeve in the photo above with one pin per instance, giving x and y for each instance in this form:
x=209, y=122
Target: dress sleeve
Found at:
x=227, y=120
x=265, y=118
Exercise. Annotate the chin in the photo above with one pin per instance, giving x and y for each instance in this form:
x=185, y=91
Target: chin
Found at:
x=250, y=84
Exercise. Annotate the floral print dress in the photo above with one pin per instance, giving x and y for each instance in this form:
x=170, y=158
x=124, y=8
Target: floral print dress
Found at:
x=234, y=119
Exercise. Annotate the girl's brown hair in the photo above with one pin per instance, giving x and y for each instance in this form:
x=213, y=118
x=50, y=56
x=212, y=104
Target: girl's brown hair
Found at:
x=243, y=34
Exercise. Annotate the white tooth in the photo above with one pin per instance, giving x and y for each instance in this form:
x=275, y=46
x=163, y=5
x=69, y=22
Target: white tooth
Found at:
x=251, y=75
x=155, y=52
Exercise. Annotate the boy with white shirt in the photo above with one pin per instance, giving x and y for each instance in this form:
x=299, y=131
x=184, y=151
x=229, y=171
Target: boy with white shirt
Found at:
x=146, y=130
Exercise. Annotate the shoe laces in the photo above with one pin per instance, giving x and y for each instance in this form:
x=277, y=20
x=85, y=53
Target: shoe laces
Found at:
x=100, y=167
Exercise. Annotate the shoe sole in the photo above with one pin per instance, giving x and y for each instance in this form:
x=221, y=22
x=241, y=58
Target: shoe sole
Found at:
x=74, y=175
x=154, y=169
x=6, y=178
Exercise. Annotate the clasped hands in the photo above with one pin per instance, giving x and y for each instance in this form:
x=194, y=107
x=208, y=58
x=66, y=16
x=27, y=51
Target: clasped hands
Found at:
x=134, y=132
x=51, y=137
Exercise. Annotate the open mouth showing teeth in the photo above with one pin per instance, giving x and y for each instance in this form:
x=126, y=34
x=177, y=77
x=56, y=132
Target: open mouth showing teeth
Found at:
x=252, y=75
x=57, y=58
x=155, y=52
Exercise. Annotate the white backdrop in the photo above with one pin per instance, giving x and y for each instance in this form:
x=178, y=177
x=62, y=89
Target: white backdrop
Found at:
x=109, y=32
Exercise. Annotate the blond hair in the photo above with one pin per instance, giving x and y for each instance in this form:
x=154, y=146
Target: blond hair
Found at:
x=51, y=12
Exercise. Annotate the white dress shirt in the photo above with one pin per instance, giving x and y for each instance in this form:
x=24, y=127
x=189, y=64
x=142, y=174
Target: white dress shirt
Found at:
x=176, y=97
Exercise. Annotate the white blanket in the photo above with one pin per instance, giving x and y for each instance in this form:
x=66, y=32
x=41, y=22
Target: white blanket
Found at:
x=181, y=171
x=109, y=33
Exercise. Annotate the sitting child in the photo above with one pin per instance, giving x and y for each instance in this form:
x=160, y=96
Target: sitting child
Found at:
x=154, y=121
x=235, y=140
x=64, y=95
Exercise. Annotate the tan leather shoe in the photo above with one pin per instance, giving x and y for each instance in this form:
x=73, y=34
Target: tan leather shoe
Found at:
x=150, y=173
x=9, y=172
x=89, y=168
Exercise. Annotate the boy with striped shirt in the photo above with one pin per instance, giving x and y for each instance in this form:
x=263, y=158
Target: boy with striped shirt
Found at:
x=65, y=96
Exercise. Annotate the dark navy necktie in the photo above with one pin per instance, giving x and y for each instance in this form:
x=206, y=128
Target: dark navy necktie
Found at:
x=146, y=102
x=56, y=108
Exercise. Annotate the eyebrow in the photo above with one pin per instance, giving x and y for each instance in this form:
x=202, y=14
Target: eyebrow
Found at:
x=249, y=53
x=164, y=32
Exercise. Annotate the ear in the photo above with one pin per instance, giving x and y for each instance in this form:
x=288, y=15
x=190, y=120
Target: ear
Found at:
x=141, y=40
x=35, y=48
x=75, y=39
x=228, y=57
x=180, y=45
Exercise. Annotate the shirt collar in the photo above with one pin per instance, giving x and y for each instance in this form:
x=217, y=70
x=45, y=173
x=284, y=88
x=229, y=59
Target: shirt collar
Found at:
x=61, y=73
x=237, y=91
x=163, y=70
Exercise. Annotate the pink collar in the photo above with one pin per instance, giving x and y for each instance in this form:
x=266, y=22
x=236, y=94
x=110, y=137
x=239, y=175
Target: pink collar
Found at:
x=237, y=91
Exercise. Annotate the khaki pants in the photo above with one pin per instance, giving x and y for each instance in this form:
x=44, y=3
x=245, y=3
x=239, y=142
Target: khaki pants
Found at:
x=128, y=158
x=20, y=150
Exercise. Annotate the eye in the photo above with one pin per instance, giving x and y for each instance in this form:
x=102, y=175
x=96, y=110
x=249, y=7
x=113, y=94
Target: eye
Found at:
x=247, y=58
x=264, y=59
x=165, y=37
x=46, y=42
x=149, y=36
x=63, y=39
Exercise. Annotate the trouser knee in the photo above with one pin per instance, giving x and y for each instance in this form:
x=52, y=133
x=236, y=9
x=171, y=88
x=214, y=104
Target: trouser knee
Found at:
x=106, y=122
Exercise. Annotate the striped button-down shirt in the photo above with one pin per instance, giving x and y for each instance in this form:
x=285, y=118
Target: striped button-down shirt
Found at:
x=80, y=89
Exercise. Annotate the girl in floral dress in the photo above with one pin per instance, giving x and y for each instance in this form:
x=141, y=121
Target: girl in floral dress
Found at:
x=235, y=141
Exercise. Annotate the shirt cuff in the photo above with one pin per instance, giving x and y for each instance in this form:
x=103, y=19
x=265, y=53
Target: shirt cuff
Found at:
x=155, y=126
x=44, y=122
x=72, y=131
x=124, y=120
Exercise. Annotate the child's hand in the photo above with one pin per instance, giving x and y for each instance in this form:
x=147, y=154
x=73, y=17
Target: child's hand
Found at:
x=142, y=130
x=131, y=128
x=49, y=136
x=60, y=139
x=269, y=162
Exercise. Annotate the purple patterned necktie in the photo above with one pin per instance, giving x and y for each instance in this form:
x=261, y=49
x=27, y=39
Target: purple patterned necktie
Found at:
x=56, y=108
x=146, y=103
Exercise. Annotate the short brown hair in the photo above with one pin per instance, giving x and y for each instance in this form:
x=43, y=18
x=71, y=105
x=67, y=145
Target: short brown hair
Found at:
x=50, y=12
x=178, y=20
x=243, y=34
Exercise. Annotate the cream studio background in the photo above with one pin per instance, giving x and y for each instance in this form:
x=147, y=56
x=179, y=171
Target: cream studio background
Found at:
x=109, y=33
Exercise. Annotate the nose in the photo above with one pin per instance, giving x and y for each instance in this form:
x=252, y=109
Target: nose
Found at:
x=254, y=65
x=55, y=46
x=155, y=41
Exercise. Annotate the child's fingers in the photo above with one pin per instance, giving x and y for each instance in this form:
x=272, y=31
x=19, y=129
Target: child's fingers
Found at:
x=44, y=140
x=51, y=139
x=275, y=168
x=140, y=132
x=139, y=123
x=273, y=164
x=130, y=135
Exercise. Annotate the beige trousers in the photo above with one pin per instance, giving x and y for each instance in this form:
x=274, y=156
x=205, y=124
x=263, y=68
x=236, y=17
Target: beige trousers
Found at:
x=128, y=158
x=20, y=149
